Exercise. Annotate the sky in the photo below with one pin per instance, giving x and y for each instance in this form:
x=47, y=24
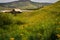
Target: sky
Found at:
x=4, y=1
x=49, y=1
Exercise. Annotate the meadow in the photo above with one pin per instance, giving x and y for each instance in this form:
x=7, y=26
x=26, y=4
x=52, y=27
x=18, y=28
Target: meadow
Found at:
x=41, y=24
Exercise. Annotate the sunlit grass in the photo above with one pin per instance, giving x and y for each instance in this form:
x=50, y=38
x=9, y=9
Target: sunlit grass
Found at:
x=36, y=25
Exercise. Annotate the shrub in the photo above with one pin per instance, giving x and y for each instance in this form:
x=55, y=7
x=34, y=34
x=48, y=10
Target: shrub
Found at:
x=8, y=19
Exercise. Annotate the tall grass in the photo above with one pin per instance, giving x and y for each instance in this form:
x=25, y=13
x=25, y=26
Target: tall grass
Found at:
x=42, y=24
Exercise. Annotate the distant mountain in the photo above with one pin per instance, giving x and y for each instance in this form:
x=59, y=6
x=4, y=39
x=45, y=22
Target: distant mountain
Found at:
x=22, y=4
x=23, y=0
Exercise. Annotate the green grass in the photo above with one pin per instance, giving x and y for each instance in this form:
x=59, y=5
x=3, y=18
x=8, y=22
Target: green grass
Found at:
x=41, y=24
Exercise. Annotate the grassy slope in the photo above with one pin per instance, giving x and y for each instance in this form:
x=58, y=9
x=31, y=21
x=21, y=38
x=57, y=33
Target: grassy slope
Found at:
x=46, y=18
x=39, y=23
x=49, y=14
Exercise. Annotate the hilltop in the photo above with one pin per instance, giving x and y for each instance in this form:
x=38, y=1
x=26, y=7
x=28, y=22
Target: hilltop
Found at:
x=22, y=4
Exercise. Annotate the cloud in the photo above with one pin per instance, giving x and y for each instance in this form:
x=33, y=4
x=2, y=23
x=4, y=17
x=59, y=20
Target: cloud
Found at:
x=3, y=1
x=50, y=1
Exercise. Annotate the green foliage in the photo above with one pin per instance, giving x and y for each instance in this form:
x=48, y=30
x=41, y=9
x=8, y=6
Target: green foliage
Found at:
x=8, y=19
x=43, y=24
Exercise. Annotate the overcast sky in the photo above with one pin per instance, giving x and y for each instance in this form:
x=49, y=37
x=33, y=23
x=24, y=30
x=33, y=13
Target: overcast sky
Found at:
x=3, y=1
x=49, y=1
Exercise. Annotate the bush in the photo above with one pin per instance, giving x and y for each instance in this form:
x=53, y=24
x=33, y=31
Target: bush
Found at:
x=8, y=19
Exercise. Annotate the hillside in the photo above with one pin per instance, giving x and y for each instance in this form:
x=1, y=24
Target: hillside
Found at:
x=42, y=24
x=22, y=4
